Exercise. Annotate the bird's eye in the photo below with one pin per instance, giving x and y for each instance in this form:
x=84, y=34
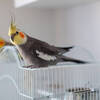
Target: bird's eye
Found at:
x=16, y=32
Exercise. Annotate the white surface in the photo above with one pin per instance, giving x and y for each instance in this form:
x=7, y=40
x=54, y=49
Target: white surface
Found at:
x=7, y=90
x=22, y=83
x=9, y=63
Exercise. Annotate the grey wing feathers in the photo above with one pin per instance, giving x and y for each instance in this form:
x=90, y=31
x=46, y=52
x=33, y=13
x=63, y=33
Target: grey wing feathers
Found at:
x=46, y=48
x=66, y=48
x=50, y=49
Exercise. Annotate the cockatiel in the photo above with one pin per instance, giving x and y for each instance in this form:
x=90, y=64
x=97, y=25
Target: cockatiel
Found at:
x=38, y=53
x=4, y=43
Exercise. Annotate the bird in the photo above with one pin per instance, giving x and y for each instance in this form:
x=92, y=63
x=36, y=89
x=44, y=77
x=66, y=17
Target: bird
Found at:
x=37, y=53
x=3, y=43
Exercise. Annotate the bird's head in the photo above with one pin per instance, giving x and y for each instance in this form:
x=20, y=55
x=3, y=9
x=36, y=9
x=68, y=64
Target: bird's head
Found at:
x=16, y=36
x=2, y=42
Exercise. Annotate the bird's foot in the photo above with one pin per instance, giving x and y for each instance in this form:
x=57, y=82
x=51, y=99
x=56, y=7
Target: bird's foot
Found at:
x=31, y=66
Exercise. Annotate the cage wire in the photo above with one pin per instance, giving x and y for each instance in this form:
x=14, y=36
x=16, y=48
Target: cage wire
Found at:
x=60, y=82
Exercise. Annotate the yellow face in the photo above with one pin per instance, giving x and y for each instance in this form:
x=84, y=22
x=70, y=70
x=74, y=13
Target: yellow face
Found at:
x=2, y=43
x=16, y=37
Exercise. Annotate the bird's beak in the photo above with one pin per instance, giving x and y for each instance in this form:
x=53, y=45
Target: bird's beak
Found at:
x=12, y=28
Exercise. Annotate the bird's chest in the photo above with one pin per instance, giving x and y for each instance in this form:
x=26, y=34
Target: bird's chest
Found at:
x=28, y=55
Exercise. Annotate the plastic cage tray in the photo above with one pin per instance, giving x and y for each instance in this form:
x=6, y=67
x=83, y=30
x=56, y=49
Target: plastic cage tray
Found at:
x=60, y=82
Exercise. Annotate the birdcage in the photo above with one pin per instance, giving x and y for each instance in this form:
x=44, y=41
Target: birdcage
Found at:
x=61, y=82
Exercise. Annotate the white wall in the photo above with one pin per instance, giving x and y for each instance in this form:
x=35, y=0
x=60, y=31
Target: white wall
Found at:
x=5, y=13
x=37, y=22
x=79, y=26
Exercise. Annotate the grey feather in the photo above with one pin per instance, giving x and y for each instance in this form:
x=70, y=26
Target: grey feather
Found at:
x=29, y=54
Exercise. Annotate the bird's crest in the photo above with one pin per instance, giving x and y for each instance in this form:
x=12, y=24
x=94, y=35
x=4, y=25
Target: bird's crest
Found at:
x=12, y=28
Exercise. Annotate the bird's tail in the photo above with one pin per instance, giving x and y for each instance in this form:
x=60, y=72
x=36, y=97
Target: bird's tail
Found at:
x=66, y=48
x=66, y=59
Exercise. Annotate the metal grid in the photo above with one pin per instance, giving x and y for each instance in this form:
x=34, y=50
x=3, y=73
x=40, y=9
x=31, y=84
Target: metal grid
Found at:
x=57, y=82
x=82, y=94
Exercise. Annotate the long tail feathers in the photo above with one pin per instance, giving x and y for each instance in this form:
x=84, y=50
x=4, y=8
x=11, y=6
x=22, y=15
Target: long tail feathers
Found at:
x=66, y=48
x=66, y=59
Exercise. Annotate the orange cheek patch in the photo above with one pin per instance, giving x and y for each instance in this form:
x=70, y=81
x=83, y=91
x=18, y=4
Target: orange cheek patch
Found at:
x=21, y=34
x=2, y=43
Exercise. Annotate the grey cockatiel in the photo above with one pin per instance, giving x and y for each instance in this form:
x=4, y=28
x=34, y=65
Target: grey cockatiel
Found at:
x=38, y=53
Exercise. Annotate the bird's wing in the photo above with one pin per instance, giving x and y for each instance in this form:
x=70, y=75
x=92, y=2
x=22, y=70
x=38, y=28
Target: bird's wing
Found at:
x=45, y=51
x=46, y=48
x=65, y=49
x=45, y=56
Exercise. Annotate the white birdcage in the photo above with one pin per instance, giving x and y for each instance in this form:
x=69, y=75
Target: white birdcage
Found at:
x=61, y=82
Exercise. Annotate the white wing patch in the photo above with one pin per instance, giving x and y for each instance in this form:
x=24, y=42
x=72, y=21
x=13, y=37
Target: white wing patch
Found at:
x=45, y=56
